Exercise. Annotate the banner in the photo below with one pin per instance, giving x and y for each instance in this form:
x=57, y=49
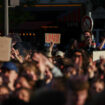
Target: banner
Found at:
x=52, y=37
x=5, y=48
x=98, y=54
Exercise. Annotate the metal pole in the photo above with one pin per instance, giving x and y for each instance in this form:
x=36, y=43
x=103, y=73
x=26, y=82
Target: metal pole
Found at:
x=6, y=18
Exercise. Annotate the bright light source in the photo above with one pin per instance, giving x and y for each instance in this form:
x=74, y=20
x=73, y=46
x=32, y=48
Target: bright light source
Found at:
x=34, y=34
x=30, y=34
x=23, y=34
x=27, y=34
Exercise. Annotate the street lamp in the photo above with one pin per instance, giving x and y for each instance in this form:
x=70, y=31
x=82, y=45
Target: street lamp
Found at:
x=6, y=18
x=13, y=3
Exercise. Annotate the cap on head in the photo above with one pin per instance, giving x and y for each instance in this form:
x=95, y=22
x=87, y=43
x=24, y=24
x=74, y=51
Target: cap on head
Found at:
x=10, y=66
x=60, y=53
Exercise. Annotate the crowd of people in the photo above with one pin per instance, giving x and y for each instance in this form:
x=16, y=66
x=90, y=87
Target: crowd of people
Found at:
x=49, y=76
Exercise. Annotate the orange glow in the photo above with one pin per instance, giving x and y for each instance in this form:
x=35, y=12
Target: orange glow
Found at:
x=52, y=5
x=30, y=34
x=27, y=34
x=34, y=34
x=23, y=34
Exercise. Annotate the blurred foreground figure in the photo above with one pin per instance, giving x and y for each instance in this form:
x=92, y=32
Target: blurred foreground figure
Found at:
x=78, y=91
x=48, y=97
